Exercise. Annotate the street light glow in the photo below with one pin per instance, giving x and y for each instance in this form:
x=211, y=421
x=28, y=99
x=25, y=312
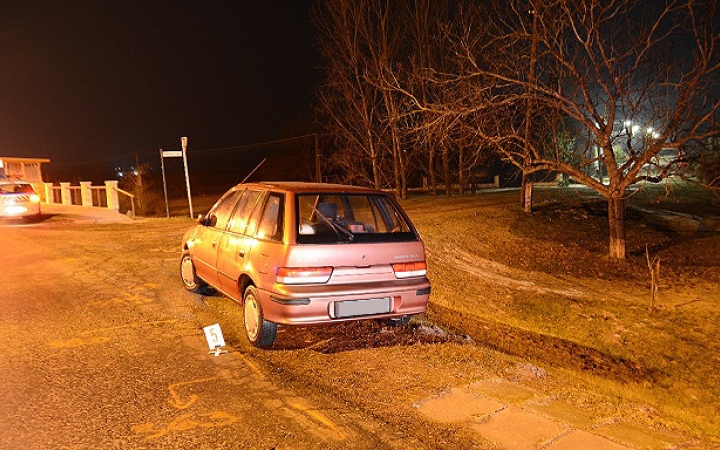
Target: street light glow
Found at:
x=630, y=126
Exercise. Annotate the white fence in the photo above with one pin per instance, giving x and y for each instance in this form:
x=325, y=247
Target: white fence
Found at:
x=85, y=194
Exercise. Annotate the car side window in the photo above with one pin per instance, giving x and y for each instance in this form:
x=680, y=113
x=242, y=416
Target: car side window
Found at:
x=245, y=207
x=270, y=226
x=220, y=213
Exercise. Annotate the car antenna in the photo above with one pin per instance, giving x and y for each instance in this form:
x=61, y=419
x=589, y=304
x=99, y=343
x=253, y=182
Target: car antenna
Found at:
x=253, y=171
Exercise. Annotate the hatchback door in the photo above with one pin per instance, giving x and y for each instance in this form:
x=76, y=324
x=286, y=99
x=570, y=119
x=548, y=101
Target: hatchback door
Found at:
x=363, y=238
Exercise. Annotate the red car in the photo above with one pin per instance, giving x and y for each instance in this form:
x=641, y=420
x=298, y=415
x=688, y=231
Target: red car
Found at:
x=308, y=254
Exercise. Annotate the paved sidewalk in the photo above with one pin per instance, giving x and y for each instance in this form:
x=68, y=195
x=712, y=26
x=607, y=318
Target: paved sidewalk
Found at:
x=516, y=417
x=84, y=213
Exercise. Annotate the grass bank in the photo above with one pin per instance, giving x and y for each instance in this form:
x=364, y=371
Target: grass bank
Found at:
x=541, y=287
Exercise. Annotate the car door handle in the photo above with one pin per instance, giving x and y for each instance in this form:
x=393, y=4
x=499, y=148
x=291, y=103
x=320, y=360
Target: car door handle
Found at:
x=241, y=253
x=214, y=244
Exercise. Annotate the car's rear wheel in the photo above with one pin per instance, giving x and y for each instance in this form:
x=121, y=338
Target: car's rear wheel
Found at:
x=190, y=280
x=259, y=331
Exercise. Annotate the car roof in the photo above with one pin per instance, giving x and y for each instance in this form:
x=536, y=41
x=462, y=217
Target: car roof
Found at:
x=302, y=187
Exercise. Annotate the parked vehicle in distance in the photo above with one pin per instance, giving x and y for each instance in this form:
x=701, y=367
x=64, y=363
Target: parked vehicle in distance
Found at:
x=18, y=199
x=307, y=254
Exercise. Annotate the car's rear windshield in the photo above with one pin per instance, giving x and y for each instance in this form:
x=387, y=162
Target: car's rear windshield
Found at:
x=324, y=218
x=16, y=188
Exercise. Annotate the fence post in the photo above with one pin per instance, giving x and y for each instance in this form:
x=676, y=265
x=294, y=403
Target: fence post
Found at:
x=65, y=193
x=112, y=195
x=496, y=181
x=86, y=193
x=49, y=196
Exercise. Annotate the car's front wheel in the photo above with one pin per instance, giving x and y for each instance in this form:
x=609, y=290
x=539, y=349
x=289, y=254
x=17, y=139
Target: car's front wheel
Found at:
x=259, y=331
x=190, y=280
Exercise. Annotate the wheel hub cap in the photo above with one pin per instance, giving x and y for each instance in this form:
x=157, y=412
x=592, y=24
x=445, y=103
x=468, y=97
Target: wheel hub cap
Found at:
x=188, y=272
x=252, y=318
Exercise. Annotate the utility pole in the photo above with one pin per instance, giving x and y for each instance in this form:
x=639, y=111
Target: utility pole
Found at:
x=139, y=190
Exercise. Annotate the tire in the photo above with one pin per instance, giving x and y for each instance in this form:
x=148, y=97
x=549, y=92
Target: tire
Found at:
x=259, y=331
x=397, y=321
x=191, y=282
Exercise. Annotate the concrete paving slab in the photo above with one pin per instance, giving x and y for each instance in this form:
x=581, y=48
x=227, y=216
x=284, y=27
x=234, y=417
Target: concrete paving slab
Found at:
x=582, y=440
x=505, y=391
x=565, y=412
x=640, y=437
x=517, y=429
x=459, y=406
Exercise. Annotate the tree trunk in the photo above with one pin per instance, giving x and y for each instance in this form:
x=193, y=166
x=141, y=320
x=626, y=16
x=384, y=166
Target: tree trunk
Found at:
x=403, y=172
x=616, y=222
x=396, y=169
x=446, y=170
x=527, y=186
x=526, y=193
x=461, y=171
x=431, y=170
x=403, y=177
x=374, y=161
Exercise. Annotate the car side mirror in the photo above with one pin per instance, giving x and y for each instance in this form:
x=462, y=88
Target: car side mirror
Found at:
x=207, y=221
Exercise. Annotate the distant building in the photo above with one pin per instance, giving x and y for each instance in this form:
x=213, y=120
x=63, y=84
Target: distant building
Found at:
x=26, y=168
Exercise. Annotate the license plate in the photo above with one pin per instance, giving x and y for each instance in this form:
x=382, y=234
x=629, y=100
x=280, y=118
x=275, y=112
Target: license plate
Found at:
x=352, y=308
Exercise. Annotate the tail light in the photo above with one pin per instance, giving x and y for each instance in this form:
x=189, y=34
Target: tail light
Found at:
x=409, y=270
x=303, y=275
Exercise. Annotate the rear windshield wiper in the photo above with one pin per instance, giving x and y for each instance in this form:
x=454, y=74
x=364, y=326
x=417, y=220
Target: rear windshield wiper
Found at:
x=335, y=226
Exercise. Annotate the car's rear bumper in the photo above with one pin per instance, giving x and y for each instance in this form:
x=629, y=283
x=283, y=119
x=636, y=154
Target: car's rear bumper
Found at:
x=298, y=305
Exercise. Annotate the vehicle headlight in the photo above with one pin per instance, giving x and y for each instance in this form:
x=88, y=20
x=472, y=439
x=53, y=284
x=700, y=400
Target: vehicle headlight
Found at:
x=35, y=198
x=15, y=210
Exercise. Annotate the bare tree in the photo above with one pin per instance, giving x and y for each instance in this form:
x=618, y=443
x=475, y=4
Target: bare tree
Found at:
x=383, y=43
x=350, y=105
x=425, y=21
x=632, y=77
x=375, y=51
x=363, y=48
x=593, y=89
x=441, y=100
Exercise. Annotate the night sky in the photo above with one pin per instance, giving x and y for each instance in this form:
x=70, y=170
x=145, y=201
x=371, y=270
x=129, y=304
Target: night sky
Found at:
x=92, y=80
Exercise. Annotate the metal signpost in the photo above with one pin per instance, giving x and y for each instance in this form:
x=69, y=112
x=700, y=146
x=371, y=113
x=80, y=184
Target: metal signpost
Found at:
x=162, y=165
x=176, y=154
x=183, y=141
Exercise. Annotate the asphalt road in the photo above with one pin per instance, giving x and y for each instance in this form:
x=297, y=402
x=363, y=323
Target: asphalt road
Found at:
x=96, y=354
